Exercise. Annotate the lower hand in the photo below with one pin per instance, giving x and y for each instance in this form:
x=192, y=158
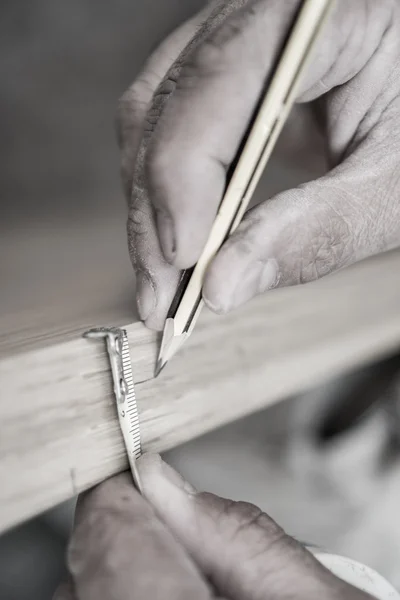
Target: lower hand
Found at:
x=182, y=544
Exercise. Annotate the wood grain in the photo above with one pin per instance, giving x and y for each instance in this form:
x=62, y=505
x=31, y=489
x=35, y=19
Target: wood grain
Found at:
x=59, y=431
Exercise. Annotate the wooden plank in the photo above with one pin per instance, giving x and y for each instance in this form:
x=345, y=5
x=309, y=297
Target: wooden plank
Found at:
x=59, y=431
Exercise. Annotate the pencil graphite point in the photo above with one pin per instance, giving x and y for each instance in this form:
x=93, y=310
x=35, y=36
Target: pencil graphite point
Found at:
x=159, y=367
x=170, y=344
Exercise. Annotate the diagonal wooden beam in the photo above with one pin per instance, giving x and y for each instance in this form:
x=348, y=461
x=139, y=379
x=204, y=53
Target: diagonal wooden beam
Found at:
x=59, y=432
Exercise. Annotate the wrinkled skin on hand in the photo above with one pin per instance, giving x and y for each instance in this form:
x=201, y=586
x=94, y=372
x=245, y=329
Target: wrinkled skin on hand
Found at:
x=182, y=544
x=181, y=123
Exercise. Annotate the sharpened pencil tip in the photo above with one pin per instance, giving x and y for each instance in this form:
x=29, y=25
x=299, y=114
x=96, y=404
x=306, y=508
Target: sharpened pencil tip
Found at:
x=159, y=367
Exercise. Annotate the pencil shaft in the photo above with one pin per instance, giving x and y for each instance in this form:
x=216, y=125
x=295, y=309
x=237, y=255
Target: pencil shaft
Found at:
x=260, y=141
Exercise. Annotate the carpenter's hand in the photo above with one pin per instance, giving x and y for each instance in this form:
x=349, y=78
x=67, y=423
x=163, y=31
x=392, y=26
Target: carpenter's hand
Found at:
x=178, y=142
x=198, y=546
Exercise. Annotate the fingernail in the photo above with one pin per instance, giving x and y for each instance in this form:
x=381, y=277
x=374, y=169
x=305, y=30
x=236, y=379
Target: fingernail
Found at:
x=166, y=235
x=152, y=465
x=258, y=277
x=145, y=295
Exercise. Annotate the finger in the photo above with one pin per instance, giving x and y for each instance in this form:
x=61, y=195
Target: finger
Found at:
x=306, y=233
x=203, y=124
x=135, y=102
x=119, y=549
x=156, y=280
x=244, y=552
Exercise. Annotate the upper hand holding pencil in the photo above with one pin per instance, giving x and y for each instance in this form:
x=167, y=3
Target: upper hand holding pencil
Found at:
x=182, y=121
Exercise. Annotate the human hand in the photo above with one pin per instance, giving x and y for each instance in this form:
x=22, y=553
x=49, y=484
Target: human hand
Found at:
x=178, y=143
x=186, y=545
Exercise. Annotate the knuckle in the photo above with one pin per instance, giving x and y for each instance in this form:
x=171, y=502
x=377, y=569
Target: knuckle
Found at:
x=242, y=514
x=138, y=220
x=211, y=57
x=249, y=519
x=136, y=96
x=242, y=20
x=238, y=16
x=166, y=87
x=237, y=519
x=208, y=57
x=330, y=247
x=335, y=247
x=159, y=100
x=132, y=106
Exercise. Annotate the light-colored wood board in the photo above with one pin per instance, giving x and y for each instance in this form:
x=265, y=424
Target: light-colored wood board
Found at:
x=59, y=431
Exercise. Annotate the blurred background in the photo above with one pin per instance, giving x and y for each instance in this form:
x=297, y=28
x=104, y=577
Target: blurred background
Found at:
x=325, y=465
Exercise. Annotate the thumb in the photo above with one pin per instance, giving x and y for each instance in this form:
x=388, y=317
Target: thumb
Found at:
x=303, y=234
x=244, y=553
